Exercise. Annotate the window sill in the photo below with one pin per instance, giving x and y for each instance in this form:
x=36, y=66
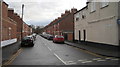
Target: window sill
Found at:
x=104, y=7
x=93, y=11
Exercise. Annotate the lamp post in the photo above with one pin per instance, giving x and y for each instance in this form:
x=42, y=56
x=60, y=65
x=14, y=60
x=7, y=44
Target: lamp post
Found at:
x=22, y=22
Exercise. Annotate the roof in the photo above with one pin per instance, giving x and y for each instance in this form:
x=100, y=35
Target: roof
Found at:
x=82, y=9
x=5, y=3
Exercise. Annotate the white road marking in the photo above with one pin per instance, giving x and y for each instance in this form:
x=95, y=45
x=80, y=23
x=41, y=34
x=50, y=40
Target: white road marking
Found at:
x=49, y=49
x=82, y=60
x=108, y=58
x=86, y=62
x=70, y=62
x=96, y=58
x=101, y=60
x=60, y=59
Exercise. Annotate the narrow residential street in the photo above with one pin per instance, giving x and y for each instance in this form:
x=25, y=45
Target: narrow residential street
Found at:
x=45, y=52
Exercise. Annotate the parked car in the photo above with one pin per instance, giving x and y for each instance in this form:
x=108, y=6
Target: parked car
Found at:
x=27, y=41
x=58, y=38
x=50, y=37
x=34, y=36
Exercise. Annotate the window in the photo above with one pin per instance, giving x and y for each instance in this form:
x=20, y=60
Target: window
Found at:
x=83, y=15
x=77, y=17
x=104, y=3
x=93, y=8
x=9, y=32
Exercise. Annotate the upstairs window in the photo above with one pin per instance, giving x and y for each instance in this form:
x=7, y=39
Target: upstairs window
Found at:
x=83, y=15
x=104, y=3
x=93, y=8
x=77, y=17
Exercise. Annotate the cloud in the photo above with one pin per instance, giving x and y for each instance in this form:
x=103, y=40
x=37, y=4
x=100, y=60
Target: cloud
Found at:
x=43, y=11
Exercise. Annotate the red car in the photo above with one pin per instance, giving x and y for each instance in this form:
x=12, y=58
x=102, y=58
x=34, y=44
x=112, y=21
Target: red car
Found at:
x=58, y=38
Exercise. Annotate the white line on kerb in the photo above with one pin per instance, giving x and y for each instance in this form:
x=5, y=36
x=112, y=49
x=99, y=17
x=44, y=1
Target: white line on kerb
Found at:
x=60, y=59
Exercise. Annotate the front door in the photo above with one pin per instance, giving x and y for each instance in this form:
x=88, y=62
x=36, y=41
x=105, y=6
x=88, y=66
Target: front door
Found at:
x=79, y=36
x=84, y=35
x=119, y=34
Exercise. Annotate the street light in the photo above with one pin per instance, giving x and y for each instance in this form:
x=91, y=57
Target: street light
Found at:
x=22, y=22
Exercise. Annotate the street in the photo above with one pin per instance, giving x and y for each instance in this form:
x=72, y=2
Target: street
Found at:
x=45, y=52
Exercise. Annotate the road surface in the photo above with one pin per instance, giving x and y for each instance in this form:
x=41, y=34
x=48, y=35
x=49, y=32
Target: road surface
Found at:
x=45, y=52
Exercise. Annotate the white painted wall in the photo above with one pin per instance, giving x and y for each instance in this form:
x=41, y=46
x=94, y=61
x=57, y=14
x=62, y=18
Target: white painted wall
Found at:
x=101, y=26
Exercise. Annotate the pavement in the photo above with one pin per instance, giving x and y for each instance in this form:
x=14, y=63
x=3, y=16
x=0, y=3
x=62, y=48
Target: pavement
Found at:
x=9, y=50
x=104, y=51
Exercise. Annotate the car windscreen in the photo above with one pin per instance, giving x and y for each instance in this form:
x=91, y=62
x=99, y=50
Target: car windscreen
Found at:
x=26, y=38
x=59, y=37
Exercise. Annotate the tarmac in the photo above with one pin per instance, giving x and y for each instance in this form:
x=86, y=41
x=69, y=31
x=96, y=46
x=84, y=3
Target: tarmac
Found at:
x=108, y=51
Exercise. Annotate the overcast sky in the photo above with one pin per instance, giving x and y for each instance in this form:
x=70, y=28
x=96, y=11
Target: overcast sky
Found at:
x=42, y=12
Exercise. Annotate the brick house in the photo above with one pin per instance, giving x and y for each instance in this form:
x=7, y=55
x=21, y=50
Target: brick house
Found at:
x=9, y=26
x=27, y=30
x=63, y=25
x=19, y=25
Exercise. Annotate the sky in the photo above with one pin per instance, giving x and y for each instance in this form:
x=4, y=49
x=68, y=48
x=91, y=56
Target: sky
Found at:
x=42, y=12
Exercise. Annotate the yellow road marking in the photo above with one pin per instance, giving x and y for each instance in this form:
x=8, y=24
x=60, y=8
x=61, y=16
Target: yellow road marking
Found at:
x=13, y=57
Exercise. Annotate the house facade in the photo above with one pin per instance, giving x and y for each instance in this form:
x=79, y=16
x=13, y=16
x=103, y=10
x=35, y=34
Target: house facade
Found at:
x=11, y=26
x=63, y=25
x=98, y=23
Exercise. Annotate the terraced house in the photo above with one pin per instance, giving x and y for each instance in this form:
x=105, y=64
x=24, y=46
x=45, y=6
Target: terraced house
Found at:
x=11, y=26
x=98, y=22
x=62, y=25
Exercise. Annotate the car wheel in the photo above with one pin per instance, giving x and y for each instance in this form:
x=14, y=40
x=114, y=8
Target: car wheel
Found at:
x=32, y=44
x=22, y=45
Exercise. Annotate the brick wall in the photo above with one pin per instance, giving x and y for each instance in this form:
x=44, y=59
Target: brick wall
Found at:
x=12, y=24
x=9, y=26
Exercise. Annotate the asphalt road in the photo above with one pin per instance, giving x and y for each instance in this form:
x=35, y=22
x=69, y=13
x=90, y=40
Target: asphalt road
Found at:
x=45, y=52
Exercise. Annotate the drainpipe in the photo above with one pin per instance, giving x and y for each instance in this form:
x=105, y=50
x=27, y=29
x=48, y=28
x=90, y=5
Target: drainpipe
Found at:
x=0, y=32
x=119, y=21
x=1, y=20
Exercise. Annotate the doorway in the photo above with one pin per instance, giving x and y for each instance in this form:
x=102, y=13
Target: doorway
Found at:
x=79, y=36
x=84, y=35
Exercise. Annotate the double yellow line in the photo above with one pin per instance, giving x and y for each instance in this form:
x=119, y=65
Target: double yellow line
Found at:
x=13, y=57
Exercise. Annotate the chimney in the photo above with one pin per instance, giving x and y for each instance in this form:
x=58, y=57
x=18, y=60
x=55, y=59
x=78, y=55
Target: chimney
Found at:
x=73, y=10
x=62, y=15
x=59, y=18
x=10, y=13
x=67, y=12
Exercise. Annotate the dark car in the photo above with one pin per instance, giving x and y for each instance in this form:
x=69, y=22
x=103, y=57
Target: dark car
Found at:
x=27, y=41
x=58, y=38
x=50, y=37
x=34, y=36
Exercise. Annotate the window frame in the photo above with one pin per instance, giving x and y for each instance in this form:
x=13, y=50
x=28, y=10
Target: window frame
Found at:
x=104, y=3
x=93, y=7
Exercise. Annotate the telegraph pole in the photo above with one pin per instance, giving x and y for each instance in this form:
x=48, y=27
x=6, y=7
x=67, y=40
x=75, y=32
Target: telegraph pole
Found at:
x=22, y=21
